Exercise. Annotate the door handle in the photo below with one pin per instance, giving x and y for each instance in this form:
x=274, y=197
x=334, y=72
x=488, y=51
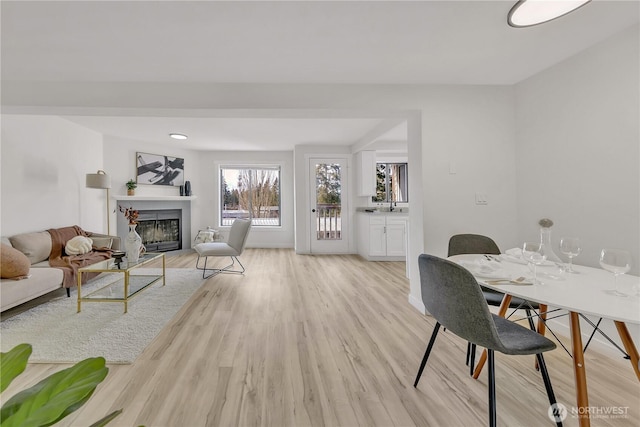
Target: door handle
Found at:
x=313, y=210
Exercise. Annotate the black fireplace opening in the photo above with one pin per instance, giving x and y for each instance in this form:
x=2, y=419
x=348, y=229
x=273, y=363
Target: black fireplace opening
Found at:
x=161, y=230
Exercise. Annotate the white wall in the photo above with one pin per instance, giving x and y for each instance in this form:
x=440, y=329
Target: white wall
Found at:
x=470, y=133
x=120, y=163
x=578, y=151
x=202, y=170
x=44, y=163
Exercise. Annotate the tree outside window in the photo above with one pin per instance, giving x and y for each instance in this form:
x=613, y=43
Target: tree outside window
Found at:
x=391, y=183
x=250, y=192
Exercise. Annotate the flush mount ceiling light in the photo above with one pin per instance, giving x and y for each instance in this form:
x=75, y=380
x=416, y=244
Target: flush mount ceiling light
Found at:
x=526, y=13
x=177, y=136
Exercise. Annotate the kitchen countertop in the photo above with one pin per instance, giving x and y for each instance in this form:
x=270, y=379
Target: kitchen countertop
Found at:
x=396, y=211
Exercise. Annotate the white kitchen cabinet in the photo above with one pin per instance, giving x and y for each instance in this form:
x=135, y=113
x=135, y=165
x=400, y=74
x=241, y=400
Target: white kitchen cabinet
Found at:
x=396, y=232
x=377, y=237
x=366, y=173
x=382, y=237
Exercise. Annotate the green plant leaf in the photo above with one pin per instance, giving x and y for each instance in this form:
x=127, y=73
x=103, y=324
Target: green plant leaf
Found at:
x=56, y=396
x=13, y=364
x=103, y=421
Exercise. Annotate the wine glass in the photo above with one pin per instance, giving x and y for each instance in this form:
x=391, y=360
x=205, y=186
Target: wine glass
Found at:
x=616, y=261
x=533, y=253
x=571, y=247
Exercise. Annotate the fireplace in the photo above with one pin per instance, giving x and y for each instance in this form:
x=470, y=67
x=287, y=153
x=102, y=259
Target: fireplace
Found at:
x=180, y=208
x=161, y=230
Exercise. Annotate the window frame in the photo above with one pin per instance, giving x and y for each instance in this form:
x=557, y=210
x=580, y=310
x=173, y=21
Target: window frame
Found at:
x=251, y=168
x=387, y=186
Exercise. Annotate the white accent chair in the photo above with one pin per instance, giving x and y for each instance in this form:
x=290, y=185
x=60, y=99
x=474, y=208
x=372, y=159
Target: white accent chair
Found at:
x=232, y=248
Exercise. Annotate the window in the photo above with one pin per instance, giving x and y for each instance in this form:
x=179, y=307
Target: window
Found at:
x=391, y=183
x=250, y=192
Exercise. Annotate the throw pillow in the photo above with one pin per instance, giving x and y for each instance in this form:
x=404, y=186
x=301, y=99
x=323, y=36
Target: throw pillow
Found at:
x=78, y=245
x=13, y=263
x=36, y=246
x=102, y=242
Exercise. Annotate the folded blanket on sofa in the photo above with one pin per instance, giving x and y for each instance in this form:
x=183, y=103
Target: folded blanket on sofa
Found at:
x=69, y=264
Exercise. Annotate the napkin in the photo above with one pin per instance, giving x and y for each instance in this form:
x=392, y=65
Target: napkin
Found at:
x=514, y=252
x=513, y=255
x=485, y=268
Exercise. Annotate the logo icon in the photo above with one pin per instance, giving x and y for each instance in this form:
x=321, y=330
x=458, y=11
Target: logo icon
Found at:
x=557, y=412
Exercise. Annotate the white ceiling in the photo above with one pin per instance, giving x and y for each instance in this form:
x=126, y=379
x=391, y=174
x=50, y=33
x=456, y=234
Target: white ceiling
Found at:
x=245, y=134
x=430, y=42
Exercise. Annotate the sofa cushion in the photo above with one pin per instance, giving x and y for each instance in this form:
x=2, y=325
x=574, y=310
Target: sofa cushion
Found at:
x=13, y=263
x=40, y=282
x=36, y=246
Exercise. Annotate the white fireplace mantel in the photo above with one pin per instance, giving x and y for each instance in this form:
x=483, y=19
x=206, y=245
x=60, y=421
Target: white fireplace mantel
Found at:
x=156, y=198
x=144, y=203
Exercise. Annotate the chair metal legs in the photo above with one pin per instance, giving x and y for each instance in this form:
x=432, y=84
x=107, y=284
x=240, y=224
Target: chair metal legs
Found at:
x=491, y=374
x=472, y=359
x=214, y=271
x=492, y=388
x=426, y=353
x=547, y=383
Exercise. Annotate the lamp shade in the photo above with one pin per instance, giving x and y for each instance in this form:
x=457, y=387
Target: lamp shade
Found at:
x=526, y=13
x=98, y=180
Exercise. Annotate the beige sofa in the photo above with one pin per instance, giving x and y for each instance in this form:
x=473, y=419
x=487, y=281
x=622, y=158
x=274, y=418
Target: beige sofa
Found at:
x=42, y=277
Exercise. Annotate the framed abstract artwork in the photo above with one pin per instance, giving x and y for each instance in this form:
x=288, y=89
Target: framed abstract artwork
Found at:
x=154, y=169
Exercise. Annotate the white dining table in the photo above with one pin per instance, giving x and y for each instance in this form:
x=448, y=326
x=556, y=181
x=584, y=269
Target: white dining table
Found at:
x=589, y=292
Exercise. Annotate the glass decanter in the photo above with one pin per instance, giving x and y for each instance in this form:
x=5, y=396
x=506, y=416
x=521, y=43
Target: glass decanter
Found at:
x=557, y=269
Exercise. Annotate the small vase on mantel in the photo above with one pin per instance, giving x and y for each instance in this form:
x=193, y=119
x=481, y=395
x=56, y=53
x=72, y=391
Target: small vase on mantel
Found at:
x=132, y=244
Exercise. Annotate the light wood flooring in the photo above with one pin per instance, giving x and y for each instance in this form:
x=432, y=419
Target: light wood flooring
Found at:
x=325, y=341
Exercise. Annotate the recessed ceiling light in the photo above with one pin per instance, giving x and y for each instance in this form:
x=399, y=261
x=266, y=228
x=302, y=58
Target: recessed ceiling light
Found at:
x=526, y=13
x=177, y=136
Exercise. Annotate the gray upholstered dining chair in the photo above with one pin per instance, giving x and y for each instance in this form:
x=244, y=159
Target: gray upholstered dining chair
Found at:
x=453, y=297
x=232, y=248
x=461, y=244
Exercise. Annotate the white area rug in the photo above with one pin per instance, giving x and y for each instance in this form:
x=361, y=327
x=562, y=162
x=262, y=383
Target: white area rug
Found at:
x=59, y=334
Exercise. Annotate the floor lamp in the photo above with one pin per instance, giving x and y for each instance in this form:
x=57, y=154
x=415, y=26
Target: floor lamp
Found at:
x=103, y=181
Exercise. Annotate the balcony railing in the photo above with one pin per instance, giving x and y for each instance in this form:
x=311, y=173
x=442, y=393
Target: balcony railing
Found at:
x=328, y=221
x=269, y=216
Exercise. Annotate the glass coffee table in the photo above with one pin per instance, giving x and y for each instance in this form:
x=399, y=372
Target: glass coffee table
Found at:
x=125, y=284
